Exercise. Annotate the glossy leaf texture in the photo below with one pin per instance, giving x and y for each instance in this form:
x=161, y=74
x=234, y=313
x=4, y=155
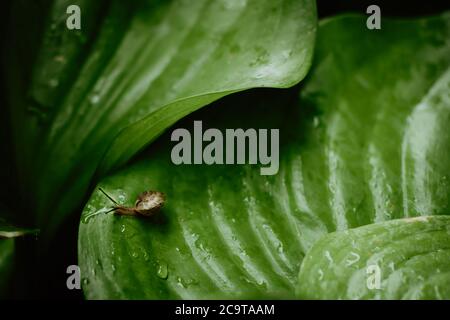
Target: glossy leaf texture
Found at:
x=400, y=259
x=368, y=142
x=98, y=95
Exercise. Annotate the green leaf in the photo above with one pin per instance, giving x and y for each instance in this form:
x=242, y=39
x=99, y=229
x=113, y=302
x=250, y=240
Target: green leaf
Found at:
x=7, y=249
x=409, y=256
x=9, y=231
x=98, y=95
x=211, y=240
x=9, y=228
x=367, y=143
x=8, y=252
x=6, y=263
x=12, y=253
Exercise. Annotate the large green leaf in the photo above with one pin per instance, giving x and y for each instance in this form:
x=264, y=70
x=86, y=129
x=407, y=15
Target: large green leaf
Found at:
x=98, y=95
x=367, y=143
x=410, y=256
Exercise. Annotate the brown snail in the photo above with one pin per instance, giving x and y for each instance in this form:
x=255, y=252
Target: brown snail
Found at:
x=147, y=204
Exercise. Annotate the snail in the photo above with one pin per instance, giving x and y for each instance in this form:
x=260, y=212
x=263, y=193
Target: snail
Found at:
x=147, y=204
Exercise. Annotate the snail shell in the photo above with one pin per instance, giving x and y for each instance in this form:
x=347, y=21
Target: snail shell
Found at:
x=149, y=202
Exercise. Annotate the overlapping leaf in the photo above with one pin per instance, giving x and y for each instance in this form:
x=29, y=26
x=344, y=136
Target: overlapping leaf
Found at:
x=367, y=143
x=401, y=259
x=101, y=93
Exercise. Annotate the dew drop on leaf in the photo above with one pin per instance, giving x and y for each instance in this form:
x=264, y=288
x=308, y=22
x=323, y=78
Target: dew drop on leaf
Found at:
x=280, y=248
x=162, y=270
x=53, y=83
x=94, y=99
x=146, y=256
x=186, y=283
x=262, y=284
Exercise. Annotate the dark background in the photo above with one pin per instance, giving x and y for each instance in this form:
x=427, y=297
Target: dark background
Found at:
x=48, y=281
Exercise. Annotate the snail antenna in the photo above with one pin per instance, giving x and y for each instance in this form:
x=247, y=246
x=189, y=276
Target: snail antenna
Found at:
x=108, y=196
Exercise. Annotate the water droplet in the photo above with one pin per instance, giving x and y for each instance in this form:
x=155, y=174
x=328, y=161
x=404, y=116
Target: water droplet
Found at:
x=316, y=122
x=162, y=270
x=203, y=248
x=186, y=283
x=146, y=256
x=262, y=284
x=320, y=274
x=280, y=248
x=180, y=282
x=53, y=83
x=85, y=281
x=328, y=256
x=94, y=99
x=135, y=255
x=444, y=181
